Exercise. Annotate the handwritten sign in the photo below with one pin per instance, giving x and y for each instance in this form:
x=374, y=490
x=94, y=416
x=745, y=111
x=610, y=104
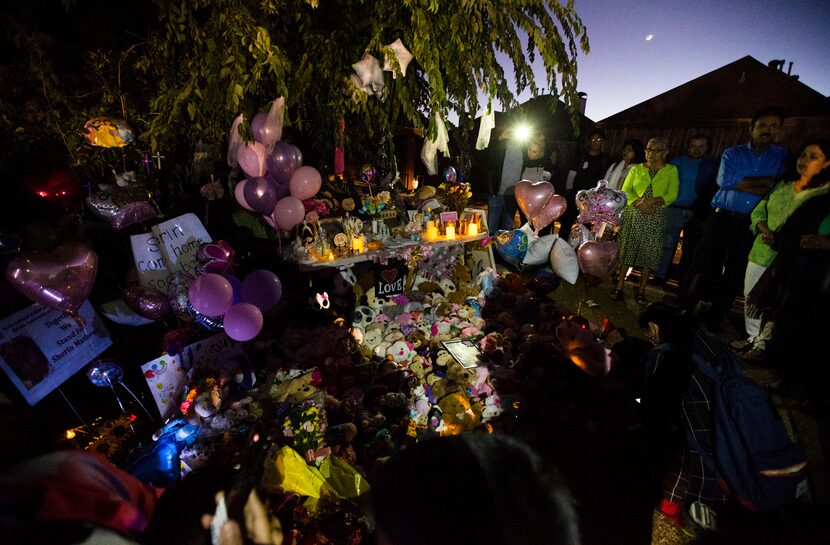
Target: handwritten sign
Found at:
x=171, y=247
x=168, y=376
x=40, y=348
x=390, y=279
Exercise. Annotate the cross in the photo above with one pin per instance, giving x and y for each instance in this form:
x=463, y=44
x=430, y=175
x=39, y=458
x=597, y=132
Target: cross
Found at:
x=158, y=157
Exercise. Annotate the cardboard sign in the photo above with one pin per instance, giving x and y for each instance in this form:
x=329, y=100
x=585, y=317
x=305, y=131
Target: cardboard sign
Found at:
x=171, y=247
x=168, y=376
x=40, y=348
x=390, y=279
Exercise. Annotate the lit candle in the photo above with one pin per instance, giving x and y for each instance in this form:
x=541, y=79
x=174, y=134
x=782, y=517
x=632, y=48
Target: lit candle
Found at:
x=357, y=245
x=450, y=231
x=432, y=231
x=472, y=230
x=331, y=256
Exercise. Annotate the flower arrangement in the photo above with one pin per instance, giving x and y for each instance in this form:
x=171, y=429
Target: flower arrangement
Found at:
x=375, y=204
x=454, y=195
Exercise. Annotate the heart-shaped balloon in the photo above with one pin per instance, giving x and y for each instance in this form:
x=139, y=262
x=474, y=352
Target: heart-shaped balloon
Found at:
x=583, y=350
x=147, y=302
x=214, y=257
x=511, y=246
x=554, y=208
x=598, y=260
x=122, y=206
x=60, y=280
x=533, y=196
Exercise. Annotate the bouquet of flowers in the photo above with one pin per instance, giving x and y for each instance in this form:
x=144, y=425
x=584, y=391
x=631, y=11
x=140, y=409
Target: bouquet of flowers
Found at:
x=454, y=195
x=373, y=205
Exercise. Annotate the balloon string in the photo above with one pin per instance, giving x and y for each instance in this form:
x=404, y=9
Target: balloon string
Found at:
x=138, y=401
x=123, y=410
x=74, y=410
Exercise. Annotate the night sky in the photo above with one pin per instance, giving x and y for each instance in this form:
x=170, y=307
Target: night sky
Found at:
x=691, y=38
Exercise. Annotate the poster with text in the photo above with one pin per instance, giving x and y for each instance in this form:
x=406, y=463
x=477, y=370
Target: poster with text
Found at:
x=40, y=348
x=170, y=247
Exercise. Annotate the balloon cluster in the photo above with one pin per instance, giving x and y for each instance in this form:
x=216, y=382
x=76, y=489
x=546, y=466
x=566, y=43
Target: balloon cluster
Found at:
x=277, y=182
x=600, y=211
x=542, y=206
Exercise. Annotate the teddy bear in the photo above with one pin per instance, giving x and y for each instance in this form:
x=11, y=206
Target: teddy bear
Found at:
x=295, y=390
x=459, y=374
x=400, y=351
x=457, y=414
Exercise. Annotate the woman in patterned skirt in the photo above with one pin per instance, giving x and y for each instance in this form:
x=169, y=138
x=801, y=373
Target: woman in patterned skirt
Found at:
x=651, y=187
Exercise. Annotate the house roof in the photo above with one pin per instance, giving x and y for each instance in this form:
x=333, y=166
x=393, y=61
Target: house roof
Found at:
x=731, y=92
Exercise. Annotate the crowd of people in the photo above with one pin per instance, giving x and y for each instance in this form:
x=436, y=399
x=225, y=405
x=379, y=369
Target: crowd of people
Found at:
x=730, y=212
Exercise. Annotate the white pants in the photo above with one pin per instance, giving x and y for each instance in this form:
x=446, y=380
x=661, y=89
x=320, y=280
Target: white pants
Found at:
x=759, y=332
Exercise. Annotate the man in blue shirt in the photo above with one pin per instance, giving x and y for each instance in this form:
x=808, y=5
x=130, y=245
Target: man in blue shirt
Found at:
x=696, y=171
x=747, y=172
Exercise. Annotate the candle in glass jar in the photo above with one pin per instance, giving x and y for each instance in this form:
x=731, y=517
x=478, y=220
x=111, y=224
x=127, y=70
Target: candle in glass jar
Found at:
x=472, y=230
x=357, y=245
x=450, y=231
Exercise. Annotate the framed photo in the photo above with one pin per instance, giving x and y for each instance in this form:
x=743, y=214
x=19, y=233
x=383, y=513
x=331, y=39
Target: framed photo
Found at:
x=469, y=216
x=448, y=217
x=465, y=352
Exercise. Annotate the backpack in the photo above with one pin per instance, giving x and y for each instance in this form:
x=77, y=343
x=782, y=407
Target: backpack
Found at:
x=754, y=460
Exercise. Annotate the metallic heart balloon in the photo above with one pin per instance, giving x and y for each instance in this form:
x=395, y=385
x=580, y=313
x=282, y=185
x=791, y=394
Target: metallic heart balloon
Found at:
x=554, y=208
x=583, y=349
x=580, y=234
x=597, y=260
x=533, y=196
x=60, y=280
x=122, y=206
x=215, y=257
x=147, y=302
x=600, y=204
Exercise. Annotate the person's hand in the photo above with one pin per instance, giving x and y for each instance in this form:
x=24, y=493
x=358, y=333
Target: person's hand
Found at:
x=261, y=529
x=815, y=242
x=767, y=237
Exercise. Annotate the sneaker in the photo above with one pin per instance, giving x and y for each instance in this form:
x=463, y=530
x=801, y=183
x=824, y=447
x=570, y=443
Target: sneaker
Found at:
x=703, y=516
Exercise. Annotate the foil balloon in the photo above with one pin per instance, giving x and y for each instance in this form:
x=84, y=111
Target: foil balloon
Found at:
x=549, y=213
x=105, y=373
x=60, y=280
x=177, y=287
x=147, y=302
x=450, y=174
x=122, y=206
x=214, y=257
x=533, y=196
x=105, y=132
x=597, y=260
x=580, y=234
x=368, y=173
x=511, y=246
x=601, y=204
x=583, y=350
x=211, y=324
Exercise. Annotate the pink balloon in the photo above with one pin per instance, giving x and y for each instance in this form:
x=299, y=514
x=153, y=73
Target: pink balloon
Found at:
x=598, y=259
x=262, y=289
x=600, y=204
x=584, y=351
x=147, y=302
x=533, y=196
x=243, y=322
x=251, y=157
x=239, y=194
x=554, y=208
x=60, y=280
x=211, y=294
x=261, y=194
x=305, y=183
x=288, y=213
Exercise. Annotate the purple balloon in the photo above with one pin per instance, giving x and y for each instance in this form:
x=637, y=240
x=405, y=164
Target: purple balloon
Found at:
x=243, y=322
x=282, y=162
x=260, y=194
x=262, y=131
x=236, y=284
x=211, y=295
x=263, y=289
x=298, y=155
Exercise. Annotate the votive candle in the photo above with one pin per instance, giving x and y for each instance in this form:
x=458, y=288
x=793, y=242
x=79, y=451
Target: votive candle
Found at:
x=450, y=231
x=472, y=230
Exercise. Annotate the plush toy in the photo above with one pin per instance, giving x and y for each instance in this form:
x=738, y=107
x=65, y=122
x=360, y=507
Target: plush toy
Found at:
x=295, y=390
x=401, y=351
x=459, y=374
x=161, y=466
x=457, y=414
x=363, y=316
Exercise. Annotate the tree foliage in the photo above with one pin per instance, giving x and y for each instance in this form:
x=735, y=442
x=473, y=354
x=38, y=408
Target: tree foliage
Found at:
x=191, y=66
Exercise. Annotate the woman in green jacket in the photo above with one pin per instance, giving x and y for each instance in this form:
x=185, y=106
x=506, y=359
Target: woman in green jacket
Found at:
x=651, y=187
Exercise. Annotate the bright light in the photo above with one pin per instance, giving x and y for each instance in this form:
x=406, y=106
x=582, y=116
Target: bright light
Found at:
x=649, y=37
x=522, y=133
x=70, y=434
